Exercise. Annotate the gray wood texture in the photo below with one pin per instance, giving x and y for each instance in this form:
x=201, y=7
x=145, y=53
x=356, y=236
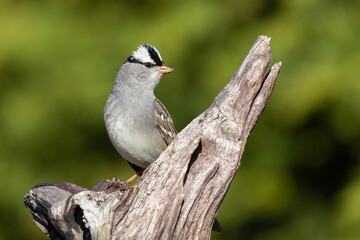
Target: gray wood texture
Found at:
x=178, y=195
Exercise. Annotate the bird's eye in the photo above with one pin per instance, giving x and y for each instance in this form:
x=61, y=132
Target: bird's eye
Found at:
x=148, y=64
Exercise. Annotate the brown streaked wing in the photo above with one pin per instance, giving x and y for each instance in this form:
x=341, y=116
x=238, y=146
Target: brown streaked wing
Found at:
x=164, y=122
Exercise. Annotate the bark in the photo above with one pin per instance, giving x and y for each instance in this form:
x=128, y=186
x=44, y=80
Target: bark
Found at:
x=178, y=195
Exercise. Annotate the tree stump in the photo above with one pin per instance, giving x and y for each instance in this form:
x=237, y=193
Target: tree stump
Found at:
x=179, y=194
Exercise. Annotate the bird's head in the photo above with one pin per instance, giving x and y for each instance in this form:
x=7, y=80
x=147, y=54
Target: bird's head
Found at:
x=146, y=66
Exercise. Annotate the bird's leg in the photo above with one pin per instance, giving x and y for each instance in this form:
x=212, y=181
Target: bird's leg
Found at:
x=139, y=173
x=131, y=179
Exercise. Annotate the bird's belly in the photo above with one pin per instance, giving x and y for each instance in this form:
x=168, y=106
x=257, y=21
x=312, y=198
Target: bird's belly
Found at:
x=141, y=148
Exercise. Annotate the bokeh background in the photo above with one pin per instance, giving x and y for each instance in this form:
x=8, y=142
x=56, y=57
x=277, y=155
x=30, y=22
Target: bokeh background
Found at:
x=300, y=173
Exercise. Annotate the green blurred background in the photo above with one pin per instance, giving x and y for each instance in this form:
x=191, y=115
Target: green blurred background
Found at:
x=300, y=173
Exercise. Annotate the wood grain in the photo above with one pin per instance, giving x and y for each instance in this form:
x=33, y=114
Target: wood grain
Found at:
x=178, y=195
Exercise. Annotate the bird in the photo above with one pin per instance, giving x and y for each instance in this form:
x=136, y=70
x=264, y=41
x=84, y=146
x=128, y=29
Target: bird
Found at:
x=138, y=124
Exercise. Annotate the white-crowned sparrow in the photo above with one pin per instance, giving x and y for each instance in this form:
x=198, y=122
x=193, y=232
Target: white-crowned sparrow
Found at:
x=138, y=124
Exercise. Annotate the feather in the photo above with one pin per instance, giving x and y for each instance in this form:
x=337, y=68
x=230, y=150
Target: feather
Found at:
x=164, y=122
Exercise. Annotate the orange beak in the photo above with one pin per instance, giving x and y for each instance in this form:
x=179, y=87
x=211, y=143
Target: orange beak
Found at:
x=165, y=69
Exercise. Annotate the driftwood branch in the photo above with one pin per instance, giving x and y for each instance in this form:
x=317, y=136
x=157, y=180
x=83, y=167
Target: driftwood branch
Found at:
x=178, y=195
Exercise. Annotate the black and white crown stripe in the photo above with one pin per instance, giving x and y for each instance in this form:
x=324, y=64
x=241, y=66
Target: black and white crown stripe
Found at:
x=146, y=53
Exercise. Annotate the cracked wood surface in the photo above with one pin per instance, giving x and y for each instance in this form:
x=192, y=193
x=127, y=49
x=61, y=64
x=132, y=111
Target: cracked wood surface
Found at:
x=178, y=195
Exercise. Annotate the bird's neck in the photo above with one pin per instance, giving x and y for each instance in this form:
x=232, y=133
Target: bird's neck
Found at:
x=141, y=98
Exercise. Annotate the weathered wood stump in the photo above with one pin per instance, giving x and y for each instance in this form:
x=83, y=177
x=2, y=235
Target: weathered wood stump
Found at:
x=178, y=195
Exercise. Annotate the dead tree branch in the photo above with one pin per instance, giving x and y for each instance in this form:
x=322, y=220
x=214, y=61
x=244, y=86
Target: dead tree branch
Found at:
x=178, y=195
